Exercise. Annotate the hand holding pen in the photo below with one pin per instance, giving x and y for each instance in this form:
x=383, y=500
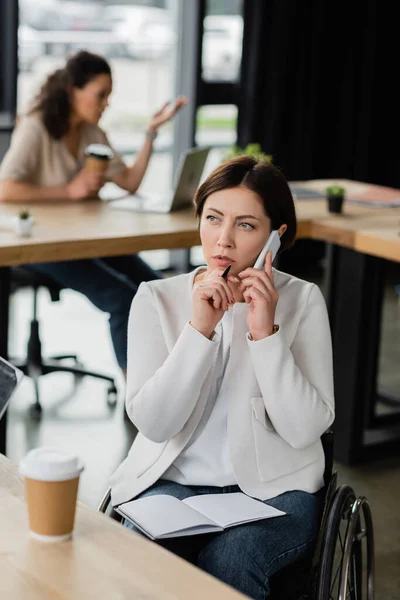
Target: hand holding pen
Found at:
x=211, y=298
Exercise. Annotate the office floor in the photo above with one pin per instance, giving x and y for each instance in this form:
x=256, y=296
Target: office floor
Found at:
x=78, y=417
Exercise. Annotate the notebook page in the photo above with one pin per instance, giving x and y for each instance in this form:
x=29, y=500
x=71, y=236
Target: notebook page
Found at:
x=161, y=515
x=232, y=509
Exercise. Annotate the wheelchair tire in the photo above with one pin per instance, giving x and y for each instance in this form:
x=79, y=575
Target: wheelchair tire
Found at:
x=329, y=572
x=360, y=530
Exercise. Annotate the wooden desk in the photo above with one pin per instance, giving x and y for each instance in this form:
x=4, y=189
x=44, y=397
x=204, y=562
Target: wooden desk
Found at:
x=361, y=227
x=373, y=232
x=382, y=240
x=359, y=242
x=93, y=229
x=104, y=560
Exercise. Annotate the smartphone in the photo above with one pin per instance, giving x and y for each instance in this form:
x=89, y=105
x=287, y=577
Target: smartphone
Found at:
x=273, y=244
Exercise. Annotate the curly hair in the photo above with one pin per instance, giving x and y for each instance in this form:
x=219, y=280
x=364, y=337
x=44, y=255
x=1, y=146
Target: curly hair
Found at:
x=53, y=98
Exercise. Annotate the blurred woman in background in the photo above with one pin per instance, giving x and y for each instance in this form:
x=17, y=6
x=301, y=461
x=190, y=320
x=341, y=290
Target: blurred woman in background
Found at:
x=46, y=163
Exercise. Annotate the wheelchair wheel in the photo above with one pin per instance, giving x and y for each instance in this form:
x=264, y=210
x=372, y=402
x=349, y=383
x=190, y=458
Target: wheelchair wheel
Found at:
x=360, y=531
x=332, y=554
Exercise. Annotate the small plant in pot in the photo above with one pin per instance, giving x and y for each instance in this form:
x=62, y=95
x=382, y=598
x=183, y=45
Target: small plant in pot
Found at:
x=253, y=149
x=335, y=195
x=24, y=222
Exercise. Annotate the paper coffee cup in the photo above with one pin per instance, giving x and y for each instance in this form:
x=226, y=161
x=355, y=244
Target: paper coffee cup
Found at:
x=97, y=157
x=51, y=489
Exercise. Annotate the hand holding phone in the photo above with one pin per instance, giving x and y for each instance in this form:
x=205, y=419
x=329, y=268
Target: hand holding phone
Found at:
x=260, y=293
x=272, y=245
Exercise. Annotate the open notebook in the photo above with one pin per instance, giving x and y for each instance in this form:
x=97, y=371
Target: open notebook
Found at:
x=163, y=516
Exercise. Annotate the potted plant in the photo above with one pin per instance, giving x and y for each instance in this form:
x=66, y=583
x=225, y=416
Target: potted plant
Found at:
x=23, y=224
x=335, y=196
x=253, y=149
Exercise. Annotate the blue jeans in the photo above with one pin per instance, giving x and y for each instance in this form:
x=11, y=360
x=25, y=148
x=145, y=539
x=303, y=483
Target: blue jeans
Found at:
x=246, y=556
x=109, y=283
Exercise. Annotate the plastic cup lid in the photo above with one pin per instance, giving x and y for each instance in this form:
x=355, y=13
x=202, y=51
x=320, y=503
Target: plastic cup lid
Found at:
x=50, y=464
x=99, y=151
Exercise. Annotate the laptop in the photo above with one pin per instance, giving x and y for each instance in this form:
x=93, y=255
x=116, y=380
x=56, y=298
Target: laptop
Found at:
x=303, y=193
x=187, y=178
x=9, y=380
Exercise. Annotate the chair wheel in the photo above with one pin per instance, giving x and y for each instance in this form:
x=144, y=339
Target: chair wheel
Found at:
x=35, y=412
x=112, y=396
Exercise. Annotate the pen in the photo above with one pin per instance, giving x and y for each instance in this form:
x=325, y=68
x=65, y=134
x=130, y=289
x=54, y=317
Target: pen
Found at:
x=225, y=273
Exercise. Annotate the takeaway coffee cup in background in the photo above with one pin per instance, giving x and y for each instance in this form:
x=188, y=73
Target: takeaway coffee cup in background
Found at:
x=51, y=489
x=97, y=157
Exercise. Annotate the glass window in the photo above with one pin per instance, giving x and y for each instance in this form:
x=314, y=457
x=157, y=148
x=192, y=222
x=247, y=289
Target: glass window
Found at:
x=138, y=39
x=222, y=40
x=216, y=125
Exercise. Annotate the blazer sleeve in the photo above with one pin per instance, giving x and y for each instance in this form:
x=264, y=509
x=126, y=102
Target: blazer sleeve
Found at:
x=163, y=386
x=297, y=382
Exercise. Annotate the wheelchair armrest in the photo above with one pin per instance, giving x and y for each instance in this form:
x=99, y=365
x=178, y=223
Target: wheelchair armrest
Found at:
x=106, y=500
x=106, y=508
x=327, y=445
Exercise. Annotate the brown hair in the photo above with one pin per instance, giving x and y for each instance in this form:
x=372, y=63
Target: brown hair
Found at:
x=262, y=178
x=53, y=99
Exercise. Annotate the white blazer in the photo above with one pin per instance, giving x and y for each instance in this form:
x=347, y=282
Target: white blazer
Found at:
x=281, y=389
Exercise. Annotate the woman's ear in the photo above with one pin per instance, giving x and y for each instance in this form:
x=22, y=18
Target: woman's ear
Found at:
x=282, y=229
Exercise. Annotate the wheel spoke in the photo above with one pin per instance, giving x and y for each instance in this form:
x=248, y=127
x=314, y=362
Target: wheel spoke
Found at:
x=349, y=588
x=361, y=535
x=341, y=542
x=337, y=568
x=335, y=578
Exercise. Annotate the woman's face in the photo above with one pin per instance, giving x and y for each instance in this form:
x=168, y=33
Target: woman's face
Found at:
x=233, y=229
x=89, y=103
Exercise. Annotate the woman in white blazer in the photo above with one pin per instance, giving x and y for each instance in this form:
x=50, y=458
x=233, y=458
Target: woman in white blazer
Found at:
x=230, y=382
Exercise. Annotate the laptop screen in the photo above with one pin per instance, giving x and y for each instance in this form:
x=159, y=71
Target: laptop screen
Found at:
x=9, y=380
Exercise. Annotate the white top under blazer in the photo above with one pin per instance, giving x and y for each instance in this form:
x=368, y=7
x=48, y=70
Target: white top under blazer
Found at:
x=206, y=459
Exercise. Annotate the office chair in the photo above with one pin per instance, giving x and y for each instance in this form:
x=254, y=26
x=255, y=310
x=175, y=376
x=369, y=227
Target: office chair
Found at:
x=34, y=365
